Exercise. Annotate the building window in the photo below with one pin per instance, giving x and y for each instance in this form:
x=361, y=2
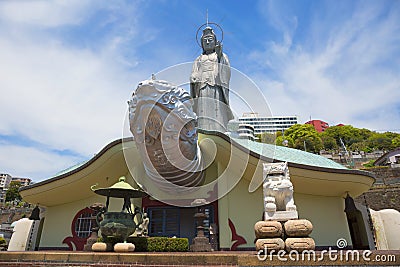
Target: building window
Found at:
x=80, y=229
x=164, y=221
x=83, y=224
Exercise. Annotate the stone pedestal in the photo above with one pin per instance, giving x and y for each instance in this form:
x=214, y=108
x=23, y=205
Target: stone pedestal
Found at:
x=100, y=247
x=200, y=244
x=268, y=229
x=298, y=228
x=270, y=244
x=295, y=232
x=299, y=243
x=124, y=247
x=281, y=216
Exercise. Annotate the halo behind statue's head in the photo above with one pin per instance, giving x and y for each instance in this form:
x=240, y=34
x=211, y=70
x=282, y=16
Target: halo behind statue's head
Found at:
x=207, y=30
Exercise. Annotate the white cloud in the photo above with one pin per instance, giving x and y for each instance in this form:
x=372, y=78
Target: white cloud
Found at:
x=45, y=13
x=22, y=161
x=351, y=74
x=282, y=20
x=58, y=95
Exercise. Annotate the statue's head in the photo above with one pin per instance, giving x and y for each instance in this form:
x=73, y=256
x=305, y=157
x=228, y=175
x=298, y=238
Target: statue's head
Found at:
x=208, y=40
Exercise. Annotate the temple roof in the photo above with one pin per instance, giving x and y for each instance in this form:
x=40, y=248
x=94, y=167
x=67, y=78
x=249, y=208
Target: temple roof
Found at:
x=280, y=153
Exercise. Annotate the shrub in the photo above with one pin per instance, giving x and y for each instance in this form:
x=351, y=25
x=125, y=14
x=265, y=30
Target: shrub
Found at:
x=3, y=244
x=152, y=244
x=156, y=244
x=159, y=244
x=177, y=244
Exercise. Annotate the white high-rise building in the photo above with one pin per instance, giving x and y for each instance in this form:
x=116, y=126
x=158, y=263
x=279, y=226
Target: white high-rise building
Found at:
x=5, y=180
x=271, y=124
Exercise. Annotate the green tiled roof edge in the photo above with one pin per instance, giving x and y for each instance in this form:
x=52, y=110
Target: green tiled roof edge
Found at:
x=281, y=153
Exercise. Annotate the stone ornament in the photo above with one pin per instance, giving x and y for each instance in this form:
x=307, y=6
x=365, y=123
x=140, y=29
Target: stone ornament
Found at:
x=299, y=244
x=270, y=244
x=100, y=247
x=163, y=124
x=278, y=192
x=298, y=228
x=124, y=247
x=143, y=229
x=268, y=229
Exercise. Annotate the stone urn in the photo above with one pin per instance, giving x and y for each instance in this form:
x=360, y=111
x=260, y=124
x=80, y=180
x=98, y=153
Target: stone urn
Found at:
x=119, y=224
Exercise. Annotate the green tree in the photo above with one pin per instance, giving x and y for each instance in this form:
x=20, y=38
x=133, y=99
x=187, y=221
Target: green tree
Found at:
x=360, y=146
x=328, y=142
x=284, y=141
x=355, y=139
x=266, y=138
x=382, y=141
x=364, y=133
x=396, y=141
x=12, y=192
x=347, y=133
x=303, y=137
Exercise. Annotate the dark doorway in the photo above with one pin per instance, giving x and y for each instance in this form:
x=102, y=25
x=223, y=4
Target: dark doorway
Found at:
x=355, y=220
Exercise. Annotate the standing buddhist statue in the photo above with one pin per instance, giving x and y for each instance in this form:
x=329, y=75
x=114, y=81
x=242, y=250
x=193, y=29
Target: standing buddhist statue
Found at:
x=209, y=84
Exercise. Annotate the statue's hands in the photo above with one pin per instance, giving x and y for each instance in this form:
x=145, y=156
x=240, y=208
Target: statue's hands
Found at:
x=218, y=49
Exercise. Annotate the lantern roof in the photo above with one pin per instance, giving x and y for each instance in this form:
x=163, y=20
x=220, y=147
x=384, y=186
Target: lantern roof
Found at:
x=121, y=189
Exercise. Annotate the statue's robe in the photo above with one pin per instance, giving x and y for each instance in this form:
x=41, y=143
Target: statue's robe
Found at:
x=209, y=87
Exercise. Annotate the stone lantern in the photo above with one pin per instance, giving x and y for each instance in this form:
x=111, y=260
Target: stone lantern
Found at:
x=121, y=224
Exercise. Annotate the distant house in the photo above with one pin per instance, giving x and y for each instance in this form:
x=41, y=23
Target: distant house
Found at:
x=391, y=158
x=22, y=181
x=319, y=125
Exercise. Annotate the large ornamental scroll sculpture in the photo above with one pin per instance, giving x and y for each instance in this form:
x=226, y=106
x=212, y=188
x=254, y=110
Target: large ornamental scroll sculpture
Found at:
x=163, y=124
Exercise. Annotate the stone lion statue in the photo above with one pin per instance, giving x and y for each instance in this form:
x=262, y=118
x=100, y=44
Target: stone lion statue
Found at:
x=277, y=188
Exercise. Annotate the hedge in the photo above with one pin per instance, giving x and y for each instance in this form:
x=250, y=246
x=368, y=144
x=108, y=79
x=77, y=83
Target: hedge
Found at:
x=153, y=244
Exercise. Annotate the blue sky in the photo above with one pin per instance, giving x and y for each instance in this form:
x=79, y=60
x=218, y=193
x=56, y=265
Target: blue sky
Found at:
x=68, y=67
